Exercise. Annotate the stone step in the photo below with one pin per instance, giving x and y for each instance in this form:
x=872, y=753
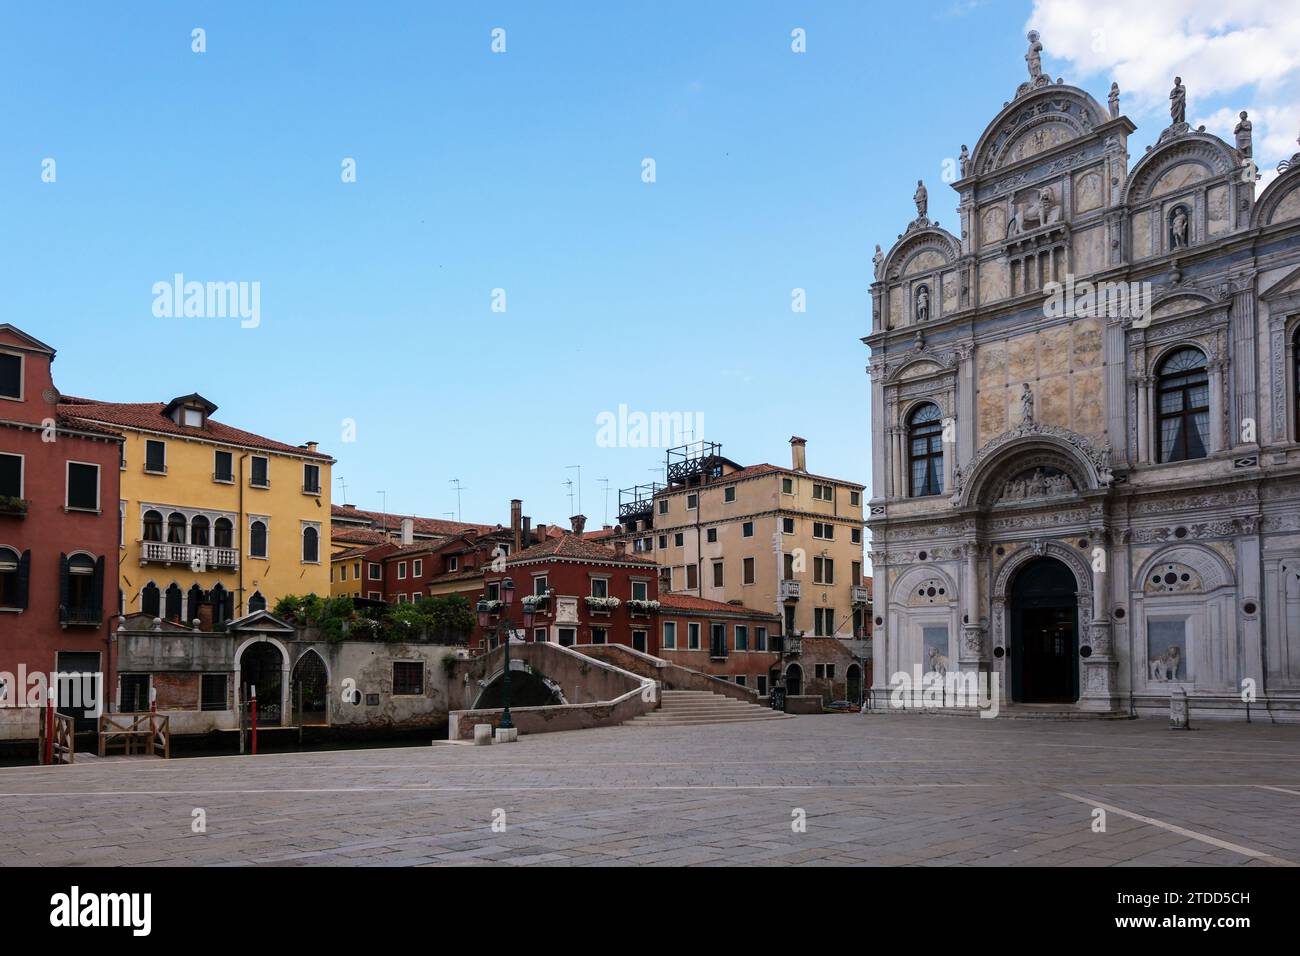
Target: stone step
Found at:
x=648, y=721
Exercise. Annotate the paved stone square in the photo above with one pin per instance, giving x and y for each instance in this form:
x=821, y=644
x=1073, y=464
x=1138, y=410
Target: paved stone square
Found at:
x=880, y=790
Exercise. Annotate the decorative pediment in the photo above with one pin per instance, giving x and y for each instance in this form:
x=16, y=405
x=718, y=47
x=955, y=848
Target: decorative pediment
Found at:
x=260, y=622
x=1280, y=202
x=1043, y=119
x=1178, y=164
x=1032, y=445
x=1286, y=287
x=920, y=252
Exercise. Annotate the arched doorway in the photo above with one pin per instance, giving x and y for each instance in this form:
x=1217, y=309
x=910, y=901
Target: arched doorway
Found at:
x=853, y=684
x=1044, y=611
x=262, y=666
x=309, y=691
x=793, y=680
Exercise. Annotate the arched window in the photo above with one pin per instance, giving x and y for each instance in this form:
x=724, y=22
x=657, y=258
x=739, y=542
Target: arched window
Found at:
x=256, y=602
x=150, y=600
x=223, y=605
x=310, y=544
x=152, y=526
x=257, y=539
x=199, y=530
x=222, y=533
x=13, y=583
x=176, y=528
x=192, y=605
x=1295, y=354
x=925, y=451
x=173, y=603
x=1183, y=405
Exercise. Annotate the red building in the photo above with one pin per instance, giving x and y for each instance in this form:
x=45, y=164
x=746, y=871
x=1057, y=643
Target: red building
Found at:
x=585, y=592
x=59, y=530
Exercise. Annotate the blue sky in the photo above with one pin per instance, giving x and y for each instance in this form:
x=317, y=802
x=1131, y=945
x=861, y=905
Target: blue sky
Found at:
x=522, y=171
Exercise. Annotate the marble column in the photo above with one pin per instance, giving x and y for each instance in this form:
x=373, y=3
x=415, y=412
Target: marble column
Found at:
x=1100, y=670
x=972, y=654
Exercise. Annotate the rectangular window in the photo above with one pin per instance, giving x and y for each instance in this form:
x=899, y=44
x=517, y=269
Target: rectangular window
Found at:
x=539, y=635
x=670, y=636
x=761, y=684
x=640, y=590
x=824, y=530
x=692, y=502
x=823, y=570
x=788, y=560
x=711, y=535
x=408, y=678
x=356, y=570
x=599, y=635
x=855, y=498
x=855, y=535
x=376, y=572
x=663, y=506
x=692, y=577
x=693, y=636
x=155, y=457
x=787, y=486
x=401, y=570
x=214, y=693
x=729, y=493
x=11, y=375
x=787, y=526
x=453, y=564
x=663, y=541
x=375, y=595
x=311, y=479
x=417, y=568
x=259, y=472
x=566, y=635
x=223, y=466
x=742, y=637
x=343, y=572
x=600, y=587
x=855, y=573
x=717, y=640
x=717, y=574
x=747, y=571
x=83, y=487
x=678, y=540
x=747, y=529
x=401, y=599
x=760, y=638
x=11, y=476
x=540, y=586
x=494, y=591
x=639, y=641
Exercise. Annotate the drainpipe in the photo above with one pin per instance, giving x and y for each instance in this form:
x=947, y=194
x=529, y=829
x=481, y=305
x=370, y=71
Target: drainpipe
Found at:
x=239, y=536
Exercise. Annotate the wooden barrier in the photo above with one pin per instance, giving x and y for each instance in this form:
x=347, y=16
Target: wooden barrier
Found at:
x=63, y=747
x=149, y=732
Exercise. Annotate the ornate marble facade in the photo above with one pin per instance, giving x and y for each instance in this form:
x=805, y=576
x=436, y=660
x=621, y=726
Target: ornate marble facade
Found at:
x=1187, y=572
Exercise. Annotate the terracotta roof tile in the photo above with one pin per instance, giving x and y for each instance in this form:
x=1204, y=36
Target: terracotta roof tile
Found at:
x=149, y=416
x=429, y=526
x=572, y=546
x=674, y=601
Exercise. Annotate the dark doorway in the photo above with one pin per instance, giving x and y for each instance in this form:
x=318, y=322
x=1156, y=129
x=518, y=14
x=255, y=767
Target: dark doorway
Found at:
x=133, y=693
x=308, y=691
x=794, y=680
x=262, y=666
x=80, y=688
x=853, y=684
x=1044, y=612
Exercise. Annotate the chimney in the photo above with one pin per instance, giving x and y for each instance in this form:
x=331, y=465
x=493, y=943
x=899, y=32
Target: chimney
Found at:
x=408, y=530
x=579, y=522
x=528, y=531
x=798, y=459
x=310, y=446
x=620, y=547
x=516, y=512
x=541, y=532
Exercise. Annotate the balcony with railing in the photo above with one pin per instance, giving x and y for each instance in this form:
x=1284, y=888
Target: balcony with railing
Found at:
x=861, y=594
x=789, y=590
x=195, y=555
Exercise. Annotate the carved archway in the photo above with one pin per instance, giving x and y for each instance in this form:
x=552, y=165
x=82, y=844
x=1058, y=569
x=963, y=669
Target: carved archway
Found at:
x=1031, y=445
x=1070, y=557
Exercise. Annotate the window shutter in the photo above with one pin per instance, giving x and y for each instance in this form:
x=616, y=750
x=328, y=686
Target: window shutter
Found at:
x=97, y=590
x=63, y=588
x=24, y=576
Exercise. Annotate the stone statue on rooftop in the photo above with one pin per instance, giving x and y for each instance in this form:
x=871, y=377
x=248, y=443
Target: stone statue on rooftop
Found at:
x=1034, y=58
x=922, y=200
x=1113, y=99
x=1242, y=131
x=1178, y=101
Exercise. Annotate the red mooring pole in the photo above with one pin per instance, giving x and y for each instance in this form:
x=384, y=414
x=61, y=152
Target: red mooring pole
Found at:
x=49, y=728
x=253, y=703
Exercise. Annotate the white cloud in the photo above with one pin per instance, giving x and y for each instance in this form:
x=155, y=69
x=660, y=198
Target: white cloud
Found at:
x=1243, y=54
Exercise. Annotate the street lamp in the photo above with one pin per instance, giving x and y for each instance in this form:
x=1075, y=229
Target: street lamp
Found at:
x=502, y=625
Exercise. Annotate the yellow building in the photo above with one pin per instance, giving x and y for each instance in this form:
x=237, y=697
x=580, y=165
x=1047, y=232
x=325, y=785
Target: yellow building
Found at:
x=214, y=520
x=771, y=538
